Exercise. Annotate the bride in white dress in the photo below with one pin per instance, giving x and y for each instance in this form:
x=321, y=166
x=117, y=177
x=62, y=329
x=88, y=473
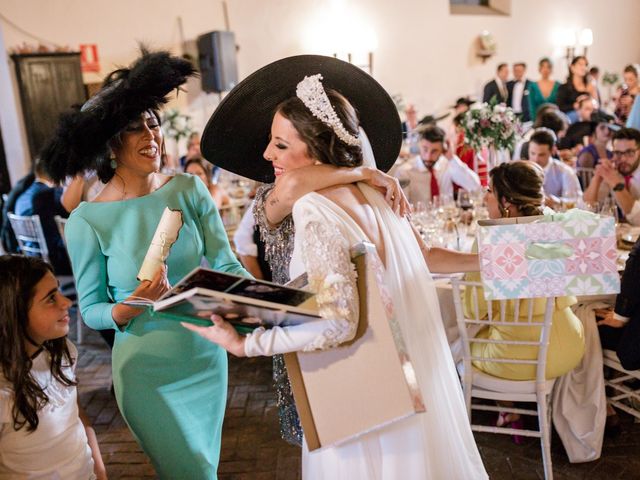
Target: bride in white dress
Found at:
x=437, y=444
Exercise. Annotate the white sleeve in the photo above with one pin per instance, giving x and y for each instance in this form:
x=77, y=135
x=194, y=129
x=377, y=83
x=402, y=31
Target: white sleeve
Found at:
x=462, y=175
x=332, y=275
x=570, y=182
x=633, y=217
x=243, y=238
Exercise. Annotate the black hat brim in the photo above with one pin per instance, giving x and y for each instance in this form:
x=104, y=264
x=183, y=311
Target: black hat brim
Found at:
x=237, y=133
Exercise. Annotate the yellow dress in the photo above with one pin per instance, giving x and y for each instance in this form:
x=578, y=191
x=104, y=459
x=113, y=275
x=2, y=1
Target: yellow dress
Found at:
x=566, y=345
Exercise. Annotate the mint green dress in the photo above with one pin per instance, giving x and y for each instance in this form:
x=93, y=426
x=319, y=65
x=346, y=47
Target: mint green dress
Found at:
x=170, y=384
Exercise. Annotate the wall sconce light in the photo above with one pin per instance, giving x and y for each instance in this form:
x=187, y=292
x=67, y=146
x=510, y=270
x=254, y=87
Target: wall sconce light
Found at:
x=486, y=46
x=572, y=40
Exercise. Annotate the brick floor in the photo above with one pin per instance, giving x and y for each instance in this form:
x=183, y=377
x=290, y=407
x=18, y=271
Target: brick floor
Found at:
x=252, y=448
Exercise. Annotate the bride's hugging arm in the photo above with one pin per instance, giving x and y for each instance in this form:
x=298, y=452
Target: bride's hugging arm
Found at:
x=443, y=260
x=331, y=274
x=293, y=184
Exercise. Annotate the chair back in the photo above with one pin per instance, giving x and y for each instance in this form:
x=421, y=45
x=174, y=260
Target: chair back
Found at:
x=585, y=175
x=61, y=223
x=30, y=236
x=498, y=317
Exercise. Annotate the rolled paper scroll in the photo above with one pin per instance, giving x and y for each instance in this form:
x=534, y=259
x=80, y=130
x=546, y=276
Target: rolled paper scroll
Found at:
x=165, y=236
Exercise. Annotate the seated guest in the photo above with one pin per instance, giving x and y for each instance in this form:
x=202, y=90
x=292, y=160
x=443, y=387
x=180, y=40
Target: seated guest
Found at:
x=434, y=172
x=81, y=188
x=515, y=190
x=599, y=139
x=497, y=88
x=620, y=328
x=42, y=198
x=202, y=170
x=518, y=89
x=548, y=116
x=462, y=105
x=193, y=149
x=626, y=94
x=411, y=120
x=620, y=176
x=577, y=84
x=544, y=90
x=583, y=108
x=559, y=179
x=8, y=238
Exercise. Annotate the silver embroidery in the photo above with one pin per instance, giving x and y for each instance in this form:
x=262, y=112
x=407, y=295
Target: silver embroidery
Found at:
x=278, y=243
x=333, y=277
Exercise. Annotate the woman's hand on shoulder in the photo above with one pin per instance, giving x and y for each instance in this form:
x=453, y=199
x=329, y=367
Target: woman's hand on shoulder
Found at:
x=389, y=186
x=221, y=333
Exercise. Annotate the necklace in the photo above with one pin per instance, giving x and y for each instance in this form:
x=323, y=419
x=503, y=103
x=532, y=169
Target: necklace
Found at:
x=124, y=191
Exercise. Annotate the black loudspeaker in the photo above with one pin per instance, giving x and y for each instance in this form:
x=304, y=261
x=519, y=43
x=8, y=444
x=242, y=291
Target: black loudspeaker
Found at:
x=217, y=60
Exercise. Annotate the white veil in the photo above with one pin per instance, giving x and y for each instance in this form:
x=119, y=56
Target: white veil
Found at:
x=368, y=159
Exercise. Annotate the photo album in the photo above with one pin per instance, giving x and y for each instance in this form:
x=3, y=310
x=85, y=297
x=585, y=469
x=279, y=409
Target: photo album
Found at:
x=245, y=302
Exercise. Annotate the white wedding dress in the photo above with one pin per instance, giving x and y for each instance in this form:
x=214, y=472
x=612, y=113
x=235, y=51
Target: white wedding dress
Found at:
x=434, y=445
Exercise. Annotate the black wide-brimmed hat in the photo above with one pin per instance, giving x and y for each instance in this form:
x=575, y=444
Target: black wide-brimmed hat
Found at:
x=237, y=133
x=82, y=135
x=463, y=101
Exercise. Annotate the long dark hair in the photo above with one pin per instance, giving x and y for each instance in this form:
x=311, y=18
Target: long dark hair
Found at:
x=20, y=275
x=570, y=77
x=322, y=142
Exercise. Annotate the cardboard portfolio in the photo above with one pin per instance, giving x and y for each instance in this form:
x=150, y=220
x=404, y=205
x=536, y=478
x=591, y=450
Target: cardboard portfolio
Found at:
x=363, y=384
x=573, y=253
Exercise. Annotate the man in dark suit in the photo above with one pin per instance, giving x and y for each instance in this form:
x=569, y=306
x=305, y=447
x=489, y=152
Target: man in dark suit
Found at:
x=498, y=86
x=518, y=89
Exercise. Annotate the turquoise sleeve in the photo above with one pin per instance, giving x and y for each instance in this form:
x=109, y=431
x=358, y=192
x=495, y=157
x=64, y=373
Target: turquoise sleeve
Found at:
x=90, y=272
x=217, y=249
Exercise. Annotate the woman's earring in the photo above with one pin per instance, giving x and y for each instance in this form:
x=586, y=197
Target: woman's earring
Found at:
x=113, y=162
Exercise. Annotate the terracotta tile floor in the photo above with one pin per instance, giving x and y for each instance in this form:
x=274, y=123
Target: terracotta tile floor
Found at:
x=252, y=448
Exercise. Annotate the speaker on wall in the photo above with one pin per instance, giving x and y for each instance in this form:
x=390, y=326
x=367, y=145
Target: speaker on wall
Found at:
x=217, y=60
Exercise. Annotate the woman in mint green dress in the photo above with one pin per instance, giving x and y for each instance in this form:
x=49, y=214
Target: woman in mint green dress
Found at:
x=170, y=384
x=544, y=90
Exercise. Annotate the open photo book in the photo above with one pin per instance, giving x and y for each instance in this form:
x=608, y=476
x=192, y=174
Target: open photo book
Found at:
x=245, y=302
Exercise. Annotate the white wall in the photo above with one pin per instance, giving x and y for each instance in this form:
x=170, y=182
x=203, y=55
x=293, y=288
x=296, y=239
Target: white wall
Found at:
x=423, y=52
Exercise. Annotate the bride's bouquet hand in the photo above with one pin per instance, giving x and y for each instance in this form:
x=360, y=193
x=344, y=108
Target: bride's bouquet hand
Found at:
x=221, y=333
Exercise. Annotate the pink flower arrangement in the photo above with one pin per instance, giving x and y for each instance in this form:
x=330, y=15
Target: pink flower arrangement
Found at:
x=491, y=125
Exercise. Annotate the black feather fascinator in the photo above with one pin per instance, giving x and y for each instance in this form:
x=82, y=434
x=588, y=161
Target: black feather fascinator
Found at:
x=81, y=139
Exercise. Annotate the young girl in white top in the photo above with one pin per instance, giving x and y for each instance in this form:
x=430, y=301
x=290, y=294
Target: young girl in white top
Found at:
x=41, y=433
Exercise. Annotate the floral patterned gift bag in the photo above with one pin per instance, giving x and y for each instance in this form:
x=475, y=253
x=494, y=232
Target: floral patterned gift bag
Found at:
x=572, y=253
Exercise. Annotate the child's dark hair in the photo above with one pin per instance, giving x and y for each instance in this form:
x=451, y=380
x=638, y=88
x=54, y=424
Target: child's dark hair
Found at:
x=20, y=275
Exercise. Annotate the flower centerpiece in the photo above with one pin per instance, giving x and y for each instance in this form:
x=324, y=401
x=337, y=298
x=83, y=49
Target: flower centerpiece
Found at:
x=491, y=126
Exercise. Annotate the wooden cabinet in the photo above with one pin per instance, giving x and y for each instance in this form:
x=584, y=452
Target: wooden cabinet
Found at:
x=49, y=84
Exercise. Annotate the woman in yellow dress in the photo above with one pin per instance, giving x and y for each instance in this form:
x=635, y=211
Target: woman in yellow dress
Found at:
x=515, y=190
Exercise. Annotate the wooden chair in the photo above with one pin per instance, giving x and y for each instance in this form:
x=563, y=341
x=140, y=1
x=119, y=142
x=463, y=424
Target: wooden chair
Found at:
x=32, y=242
x=624, y=390
x=477, y=384
x=585, y=175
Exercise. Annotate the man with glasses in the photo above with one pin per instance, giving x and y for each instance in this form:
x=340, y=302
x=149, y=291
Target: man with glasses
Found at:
x=621, y=175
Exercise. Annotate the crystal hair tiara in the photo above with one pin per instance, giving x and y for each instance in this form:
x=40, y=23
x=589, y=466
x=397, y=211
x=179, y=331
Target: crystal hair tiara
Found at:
x=312, y=94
